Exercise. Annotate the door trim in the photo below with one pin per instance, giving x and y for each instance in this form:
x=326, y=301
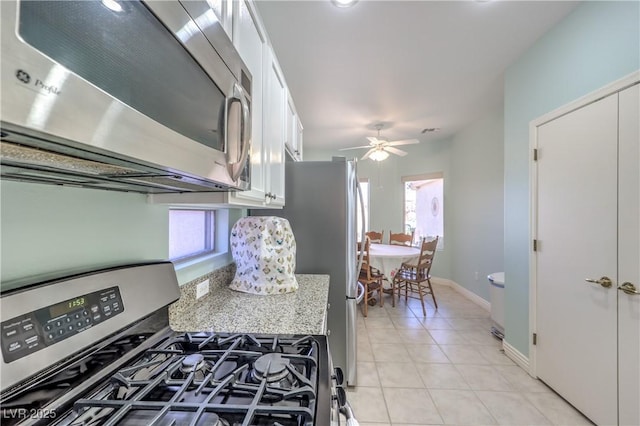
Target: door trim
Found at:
x=609, y=89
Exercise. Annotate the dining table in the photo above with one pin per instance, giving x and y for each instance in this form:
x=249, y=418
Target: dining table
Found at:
x=389, y=257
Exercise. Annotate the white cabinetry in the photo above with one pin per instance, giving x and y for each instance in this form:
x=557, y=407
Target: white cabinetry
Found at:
x=270, y=120
x=251, y=42
x=274, y=127
x=298, y=133
x=274, y=120
x=293, y=135
x=224, y=12
x=268, y=94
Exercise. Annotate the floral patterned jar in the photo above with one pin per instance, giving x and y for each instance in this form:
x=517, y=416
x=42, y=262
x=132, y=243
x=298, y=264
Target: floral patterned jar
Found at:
x=264, y=250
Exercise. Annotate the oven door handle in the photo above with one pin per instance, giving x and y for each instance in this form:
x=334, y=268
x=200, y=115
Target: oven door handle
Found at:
x=245, y=131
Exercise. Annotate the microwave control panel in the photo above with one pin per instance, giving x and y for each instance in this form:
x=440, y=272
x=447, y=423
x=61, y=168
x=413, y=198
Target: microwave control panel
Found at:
x=31, y=332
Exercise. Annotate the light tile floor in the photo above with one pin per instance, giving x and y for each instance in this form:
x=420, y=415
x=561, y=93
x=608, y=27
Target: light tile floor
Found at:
x=445, y=368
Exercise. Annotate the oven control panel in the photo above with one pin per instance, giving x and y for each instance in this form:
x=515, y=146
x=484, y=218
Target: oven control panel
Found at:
x=47, y=326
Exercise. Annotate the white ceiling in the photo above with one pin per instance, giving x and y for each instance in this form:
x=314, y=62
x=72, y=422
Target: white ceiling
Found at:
x=411, y=64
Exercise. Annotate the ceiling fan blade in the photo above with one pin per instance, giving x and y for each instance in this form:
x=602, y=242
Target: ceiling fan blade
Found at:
x=395, y=151
x=403, y=142
x=368, y=153
x=355, y=147
x=374, y=140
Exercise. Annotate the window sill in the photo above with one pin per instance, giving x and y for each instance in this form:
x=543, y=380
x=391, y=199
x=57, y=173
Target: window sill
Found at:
x=189, y=270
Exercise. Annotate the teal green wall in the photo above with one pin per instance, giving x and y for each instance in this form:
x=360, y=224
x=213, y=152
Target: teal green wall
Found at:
x=47, y=228
x=596, y=44
x=476, y=203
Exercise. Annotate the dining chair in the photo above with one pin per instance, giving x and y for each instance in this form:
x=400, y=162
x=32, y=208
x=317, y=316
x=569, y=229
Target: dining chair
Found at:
x=375, y=237
x=370, y=277
x=415, y=277
x=401, y=239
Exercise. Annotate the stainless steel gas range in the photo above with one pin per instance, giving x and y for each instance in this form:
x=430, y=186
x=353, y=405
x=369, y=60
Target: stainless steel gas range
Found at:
x=96, y=349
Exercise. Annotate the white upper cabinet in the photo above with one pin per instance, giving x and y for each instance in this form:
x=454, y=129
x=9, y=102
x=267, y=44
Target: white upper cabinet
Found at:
x=293, y=135
x=250, y=40
x=224, y=12
x=274, y=118
x=268, y=102
x=299, y=135
x=274, y=128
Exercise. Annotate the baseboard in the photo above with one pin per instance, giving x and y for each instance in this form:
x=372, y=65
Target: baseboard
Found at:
x=466, y=293
x=516, y=356
x=511, y=352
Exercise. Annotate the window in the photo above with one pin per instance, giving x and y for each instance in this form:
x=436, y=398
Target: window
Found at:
x=423, y=207
x=364, y=185
x=191, y=233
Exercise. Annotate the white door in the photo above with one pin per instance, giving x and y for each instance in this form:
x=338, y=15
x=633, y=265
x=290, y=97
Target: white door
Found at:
x=629, y=257
x=588, y=224
x=576, y=321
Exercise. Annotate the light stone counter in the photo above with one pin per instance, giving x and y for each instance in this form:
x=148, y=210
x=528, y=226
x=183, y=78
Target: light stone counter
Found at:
x=228, y=311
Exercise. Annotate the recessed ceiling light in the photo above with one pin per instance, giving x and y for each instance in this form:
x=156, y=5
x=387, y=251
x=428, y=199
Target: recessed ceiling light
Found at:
x=112, y=5
x=344, y=3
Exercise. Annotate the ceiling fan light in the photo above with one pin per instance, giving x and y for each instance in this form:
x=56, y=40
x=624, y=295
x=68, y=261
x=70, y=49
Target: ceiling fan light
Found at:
x=379, y=155
x=344, y=3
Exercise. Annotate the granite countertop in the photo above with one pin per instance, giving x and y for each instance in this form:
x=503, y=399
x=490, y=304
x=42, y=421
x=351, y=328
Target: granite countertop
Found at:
x=228, y=311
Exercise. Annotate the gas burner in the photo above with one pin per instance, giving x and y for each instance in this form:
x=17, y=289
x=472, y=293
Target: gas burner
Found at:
x=214, y=420
x=192, y=363
x=272, y=367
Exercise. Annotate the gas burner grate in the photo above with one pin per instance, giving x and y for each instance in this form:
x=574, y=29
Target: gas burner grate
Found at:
x=75, y=373
x=228, y=379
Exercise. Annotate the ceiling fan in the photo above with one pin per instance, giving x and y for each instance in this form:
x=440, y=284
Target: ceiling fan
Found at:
x=379, y=148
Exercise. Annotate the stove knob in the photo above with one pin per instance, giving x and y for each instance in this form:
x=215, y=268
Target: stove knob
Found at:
x=338, y=375
x=341, y=396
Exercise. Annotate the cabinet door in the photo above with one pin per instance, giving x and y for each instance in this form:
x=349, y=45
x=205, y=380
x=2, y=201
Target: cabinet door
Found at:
x=223, y=10
x=293, y=126
x=249, y=39
x=274, y=129
x=290, y=134
x=299, y=132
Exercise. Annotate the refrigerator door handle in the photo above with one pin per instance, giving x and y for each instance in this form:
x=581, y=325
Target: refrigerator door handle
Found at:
x=363, y=230
x=352, y=304
x=351, y=342
x=360, y=293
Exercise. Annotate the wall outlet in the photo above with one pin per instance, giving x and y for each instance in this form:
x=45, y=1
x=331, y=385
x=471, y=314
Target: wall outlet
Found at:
x=202, y=289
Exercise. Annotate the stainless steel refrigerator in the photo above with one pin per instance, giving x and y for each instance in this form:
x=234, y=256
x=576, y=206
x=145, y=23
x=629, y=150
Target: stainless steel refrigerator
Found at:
x=321, y=204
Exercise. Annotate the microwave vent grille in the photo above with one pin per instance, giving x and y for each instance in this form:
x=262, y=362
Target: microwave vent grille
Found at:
x=21, y=162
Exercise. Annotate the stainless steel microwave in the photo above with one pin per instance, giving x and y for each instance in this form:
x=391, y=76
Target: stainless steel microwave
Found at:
x=144, y=96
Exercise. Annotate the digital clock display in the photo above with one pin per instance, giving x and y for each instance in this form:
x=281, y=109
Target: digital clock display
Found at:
x=66, y=307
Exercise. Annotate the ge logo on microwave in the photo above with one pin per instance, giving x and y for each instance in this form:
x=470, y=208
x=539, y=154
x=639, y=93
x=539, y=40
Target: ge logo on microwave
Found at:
x=23, y=76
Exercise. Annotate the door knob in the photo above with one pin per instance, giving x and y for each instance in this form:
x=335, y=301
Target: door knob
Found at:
x=603, y=281
x=629, y=288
